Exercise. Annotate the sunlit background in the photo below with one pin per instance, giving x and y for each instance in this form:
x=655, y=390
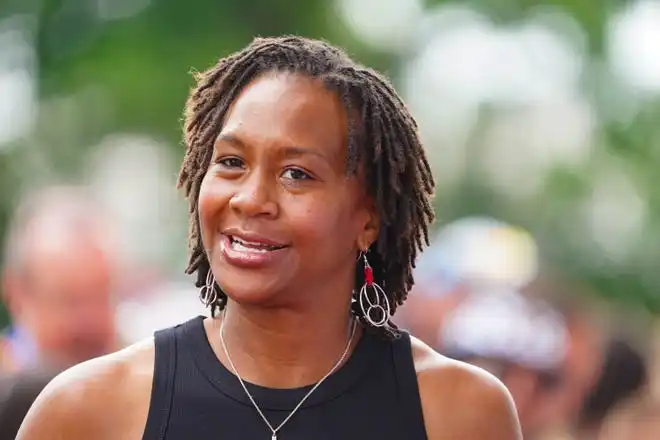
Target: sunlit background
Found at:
x=541, y=114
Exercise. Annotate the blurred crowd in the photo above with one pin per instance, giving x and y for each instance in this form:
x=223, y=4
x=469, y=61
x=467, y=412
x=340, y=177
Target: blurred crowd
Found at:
x=483, y=295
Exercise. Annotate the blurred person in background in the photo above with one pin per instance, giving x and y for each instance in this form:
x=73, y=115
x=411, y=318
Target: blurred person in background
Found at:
x=624, y=375
x=521, y=341
x=467, y=256
x=635, y=399
x=59, y=272
x=17, y=394
x=477, y=257
x=580, y=371
x=635, y=419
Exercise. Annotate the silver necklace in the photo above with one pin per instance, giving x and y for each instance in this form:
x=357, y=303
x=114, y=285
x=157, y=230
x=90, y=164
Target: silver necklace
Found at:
x=309, y=393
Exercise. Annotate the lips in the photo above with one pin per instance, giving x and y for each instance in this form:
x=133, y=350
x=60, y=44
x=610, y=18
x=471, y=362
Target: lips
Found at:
x=252, y=250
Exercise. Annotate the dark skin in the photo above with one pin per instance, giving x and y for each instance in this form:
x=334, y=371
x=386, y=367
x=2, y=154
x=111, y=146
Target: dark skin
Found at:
x=277, y=174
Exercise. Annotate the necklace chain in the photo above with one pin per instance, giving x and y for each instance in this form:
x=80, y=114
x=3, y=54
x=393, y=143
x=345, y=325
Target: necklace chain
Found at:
x=309, y=393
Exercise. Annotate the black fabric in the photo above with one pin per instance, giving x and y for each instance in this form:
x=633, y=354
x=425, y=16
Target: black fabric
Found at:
x=17, y=394
x=373, y=395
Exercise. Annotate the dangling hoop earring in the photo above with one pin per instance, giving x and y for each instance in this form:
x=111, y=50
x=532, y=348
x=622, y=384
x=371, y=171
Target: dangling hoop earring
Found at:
x=207, y=293
x=380, y=307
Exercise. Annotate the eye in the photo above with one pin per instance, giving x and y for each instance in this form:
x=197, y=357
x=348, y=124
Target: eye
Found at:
x=231, y=162
x=296, y=174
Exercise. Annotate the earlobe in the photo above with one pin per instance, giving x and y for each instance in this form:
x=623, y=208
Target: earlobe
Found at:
x=369, y=233
x=364, y=241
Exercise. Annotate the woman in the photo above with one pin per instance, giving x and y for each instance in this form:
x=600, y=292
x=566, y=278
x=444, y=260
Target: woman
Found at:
x=308, y=189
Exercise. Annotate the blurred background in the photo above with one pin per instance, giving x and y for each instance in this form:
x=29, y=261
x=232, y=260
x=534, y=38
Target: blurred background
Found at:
x=540, y=120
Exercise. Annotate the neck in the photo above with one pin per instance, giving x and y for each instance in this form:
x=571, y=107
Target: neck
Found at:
x=284, y=348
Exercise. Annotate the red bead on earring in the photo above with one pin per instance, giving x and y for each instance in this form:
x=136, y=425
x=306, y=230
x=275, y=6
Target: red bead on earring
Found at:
x=368, y=274
x=368, y=271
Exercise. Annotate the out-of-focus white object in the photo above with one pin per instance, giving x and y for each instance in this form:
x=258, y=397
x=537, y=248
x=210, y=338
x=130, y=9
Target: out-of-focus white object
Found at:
x=633, y=45
x=18, y=106
x=533, y=70
x=532, y=63
x=482, y=252
x=134, y=176
x=387, y=25
x=520, y=145
x=506, y=326
x=615, y=214
x=166, y=306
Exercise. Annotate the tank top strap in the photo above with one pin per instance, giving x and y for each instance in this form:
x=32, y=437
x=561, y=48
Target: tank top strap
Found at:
x=408, y=388
x=163, y=384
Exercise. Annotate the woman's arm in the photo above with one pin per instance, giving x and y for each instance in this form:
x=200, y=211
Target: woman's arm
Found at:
x=105, y=398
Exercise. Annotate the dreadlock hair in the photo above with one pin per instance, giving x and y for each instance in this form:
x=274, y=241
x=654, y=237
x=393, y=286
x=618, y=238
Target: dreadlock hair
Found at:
x=382, y=136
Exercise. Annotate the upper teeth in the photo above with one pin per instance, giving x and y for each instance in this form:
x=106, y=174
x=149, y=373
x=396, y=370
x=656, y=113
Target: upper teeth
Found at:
x=251, y=243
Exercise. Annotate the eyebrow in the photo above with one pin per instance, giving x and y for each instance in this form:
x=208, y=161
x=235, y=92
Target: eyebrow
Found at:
x=230, y=139
x=289, y=152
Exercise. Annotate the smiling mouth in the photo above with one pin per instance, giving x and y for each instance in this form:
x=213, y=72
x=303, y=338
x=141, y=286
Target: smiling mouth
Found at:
x=239, y=244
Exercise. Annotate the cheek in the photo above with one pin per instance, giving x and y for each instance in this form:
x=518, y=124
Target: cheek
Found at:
x=325, y=225
x=212, y=199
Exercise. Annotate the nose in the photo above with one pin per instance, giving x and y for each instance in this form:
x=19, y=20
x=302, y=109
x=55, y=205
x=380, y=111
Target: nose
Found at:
x=254, y=197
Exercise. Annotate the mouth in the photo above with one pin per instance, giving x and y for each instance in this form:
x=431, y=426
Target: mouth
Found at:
x=244, y=245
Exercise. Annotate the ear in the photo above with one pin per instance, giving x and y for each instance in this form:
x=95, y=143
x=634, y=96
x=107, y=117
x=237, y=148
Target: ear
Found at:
x=370, y=226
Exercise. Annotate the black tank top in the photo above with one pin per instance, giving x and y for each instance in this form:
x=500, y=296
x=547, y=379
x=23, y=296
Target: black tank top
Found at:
x=374, y=395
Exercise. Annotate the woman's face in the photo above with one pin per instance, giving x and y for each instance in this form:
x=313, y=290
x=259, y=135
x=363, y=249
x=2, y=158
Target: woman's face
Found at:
x=280, y=218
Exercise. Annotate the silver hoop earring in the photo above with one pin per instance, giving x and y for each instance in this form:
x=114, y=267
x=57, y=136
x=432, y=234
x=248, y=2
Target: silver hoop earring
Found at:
x=376, y=310
x=207, y=293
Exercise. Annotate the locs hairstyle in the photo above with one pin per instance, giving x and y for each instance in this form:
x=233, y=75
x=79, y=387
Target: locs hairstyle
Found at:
x=382, y=137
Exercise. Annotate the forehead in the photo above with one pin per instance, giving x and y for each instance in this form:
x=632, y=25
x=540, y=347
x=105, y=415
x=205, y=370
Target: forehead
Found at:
x=289, y=108
x=61, y=259
x=82, y=274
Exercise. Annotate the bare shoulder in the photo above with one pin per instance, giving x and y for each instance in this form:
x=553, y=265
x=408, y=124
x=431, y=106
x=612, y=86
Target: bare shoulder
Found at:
x=107, y=397
x=461, y=401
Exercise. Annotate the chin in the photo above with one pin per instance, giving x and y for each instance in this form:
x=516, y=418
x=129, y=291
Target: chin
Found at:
x=254, y=281
x=255, y=289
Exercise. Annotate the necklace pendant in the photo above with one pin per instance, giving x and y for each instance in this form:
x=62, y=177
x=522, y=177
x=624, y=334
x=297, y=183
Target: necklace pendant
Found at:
x=274, y=437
